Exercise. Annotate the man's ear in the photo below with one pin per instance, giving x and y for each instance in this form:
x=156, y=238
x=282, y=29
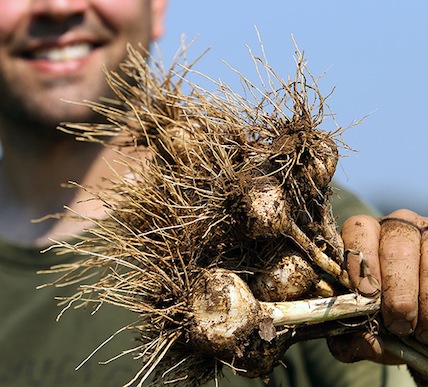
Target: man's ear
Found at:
x=158, y=9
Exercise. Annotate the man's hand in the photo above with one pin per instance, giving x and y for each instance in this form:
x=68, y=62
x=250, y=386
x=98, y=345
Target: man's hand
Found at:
x=394, y=261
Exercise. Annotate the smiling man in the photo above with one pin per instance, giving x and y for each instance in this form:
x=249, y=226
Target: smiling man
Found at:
x=56, y=49
x=51, y=50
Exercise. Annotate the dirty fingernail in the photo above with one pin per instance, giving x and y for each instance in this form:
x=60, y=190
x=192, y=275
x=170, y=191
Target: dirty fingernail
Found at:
x=366, y=288
x=400, y=327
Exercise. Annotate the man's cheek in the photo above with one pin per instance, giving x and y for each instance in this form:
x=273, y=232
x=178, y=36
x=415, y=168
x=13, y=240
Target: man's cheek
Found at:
x=119, y=14
x=11, y=11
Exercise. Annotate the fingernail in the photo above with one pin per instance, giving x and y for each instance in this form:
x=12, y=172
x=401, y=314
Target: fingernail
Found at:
x=400, y=327
x=366, y=288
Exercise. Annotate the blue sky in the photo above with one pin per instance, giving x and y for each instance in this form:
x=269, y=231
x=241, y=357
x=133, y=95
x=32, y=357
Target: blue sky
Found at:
x=375, y=55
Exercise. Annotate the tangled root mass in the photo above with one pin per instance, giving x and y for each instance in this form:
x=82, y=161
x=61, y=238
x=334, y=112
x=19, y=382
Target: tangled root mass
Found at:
x=228, y=180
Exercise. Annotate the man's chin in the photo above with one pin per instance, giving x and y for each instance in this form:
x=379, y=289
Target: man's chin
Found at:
x=45, y=118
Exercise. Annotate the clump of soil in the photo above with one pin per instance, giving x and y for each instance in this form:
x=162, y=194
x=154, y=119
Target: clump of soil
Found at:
x=234, y=183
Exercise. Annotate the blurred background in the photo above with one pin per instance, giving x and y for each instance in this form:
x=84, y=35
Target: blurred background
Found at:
x=375, y=56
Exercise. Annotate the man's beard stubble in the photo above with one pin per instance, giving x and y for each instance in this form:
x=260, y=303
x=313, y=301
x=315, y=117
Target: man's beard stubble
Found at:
x=33, y=117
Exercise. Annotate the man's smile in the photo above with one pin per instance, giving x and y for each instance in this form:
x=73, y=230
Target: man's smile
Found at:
x=65, y=53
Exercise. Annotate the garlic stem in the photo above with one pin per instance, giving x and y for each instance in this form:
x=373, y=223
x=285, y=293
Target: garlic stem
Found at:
x=320, y=309
x=407, y=353
x=320, y=259
x=306, y=312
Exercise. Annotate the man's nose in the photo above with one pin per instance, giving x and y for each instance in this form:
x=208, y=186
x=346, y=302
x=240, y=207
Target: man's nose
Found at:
x=59, y=9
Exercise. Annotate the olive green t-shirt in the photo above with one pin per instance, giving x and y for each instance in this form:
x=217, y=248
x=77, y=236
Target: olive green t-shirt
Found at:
x=36, y=350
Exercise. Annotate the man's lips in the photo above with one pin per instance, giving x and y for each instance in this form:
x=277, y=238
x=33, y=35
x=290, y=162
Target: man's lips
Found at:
x=60, y=59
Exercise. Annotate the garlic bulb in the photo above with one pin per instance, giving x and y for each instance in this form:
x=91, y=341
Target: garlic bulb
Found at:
x=288, y=279
x=225, y=312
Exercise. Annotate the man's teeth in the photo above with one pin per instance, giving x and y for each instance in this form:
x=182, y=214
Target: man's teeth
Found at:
x=66, y=53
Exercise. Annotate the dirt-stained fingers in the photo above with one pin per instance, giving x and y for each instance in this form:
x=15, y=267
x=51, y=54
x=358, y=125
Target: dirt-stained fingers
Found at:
x=361, y=235
x=400, y=254
x=361, y=346
x=391, y=254
x=422, y=326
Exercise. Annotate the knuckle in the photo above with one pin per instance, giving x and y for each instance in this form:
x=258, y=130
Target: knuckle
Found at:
x=405, y=214
x=358, y=221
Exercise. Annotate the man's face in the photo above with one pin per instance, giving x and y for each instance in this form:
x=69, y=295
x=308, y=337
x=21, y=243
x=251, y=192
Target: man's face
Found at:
x=55, y=49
